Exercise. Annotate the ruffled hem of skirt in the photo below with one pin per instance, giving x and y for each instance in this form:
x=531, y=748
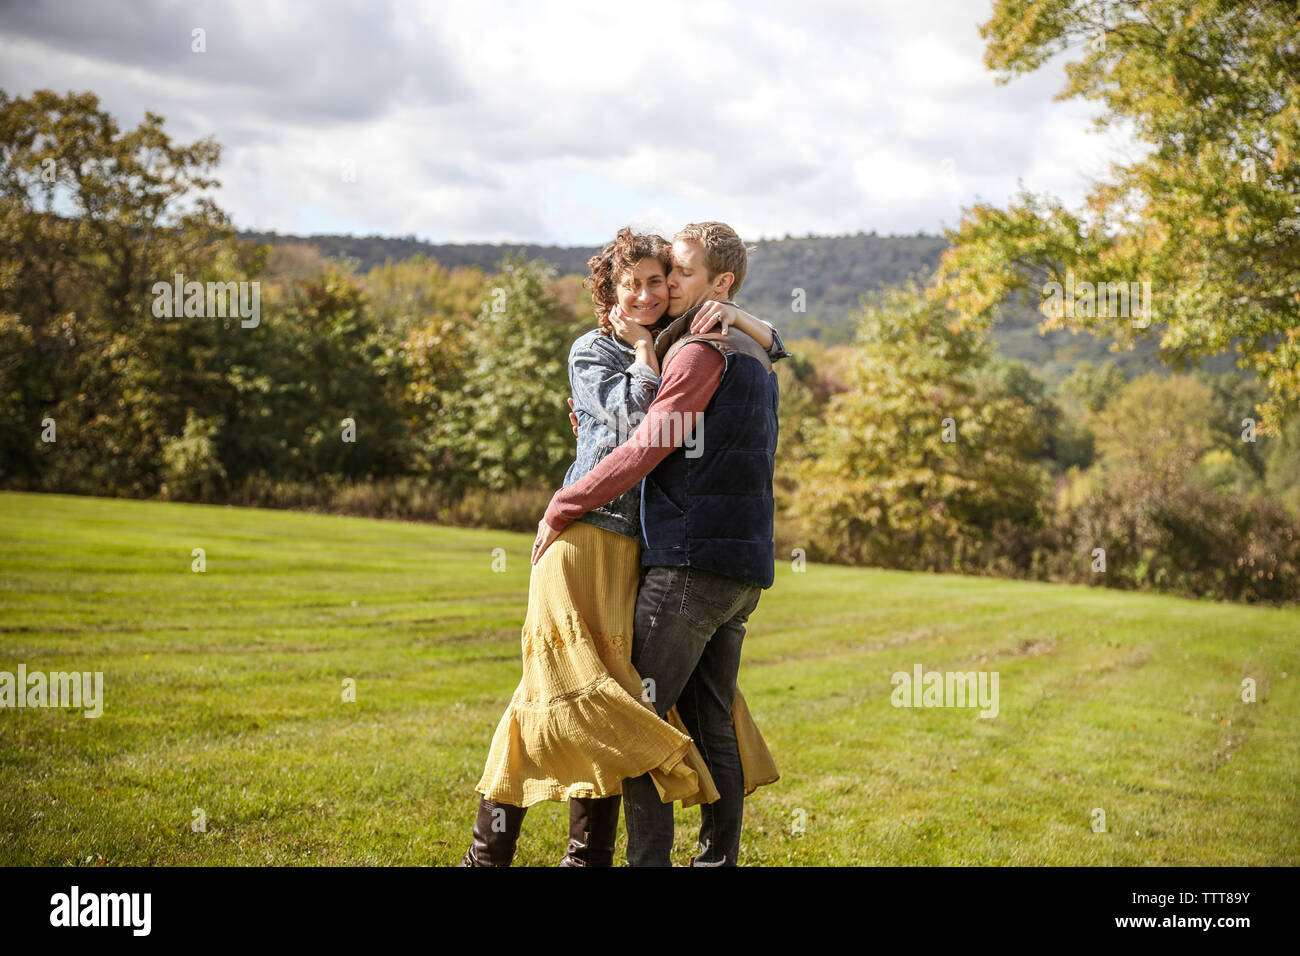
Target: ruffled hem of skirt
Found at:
x=585, y=745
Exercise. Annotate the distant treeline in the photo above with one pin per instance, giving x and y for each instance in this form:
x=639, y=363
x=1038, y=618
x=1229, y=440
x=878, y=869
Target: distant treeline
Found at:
x=812, y=286
x=833, y=272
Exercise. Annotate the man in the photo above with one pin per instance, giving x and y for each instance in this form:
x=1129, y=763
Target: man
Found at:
x=706, y=451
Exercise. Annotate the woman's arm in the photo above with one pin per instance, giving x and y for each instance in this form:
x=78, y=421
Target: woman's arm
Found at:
x=637, y=336
x=605, y=390
x=645, y=355
x=728, y=314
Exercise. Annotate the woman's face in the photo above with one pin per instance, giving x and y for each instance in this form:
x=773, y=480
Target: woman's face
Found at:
x=643, y=292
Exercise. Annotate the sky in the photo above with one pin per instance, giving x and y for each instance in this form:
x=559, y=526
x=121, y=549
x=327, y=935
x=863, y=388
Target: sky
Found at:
x=560, y=122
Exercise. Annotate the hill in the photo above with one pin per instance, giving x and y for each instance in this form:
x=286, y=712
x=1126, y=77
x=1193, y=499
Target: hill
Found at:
x=834, y=272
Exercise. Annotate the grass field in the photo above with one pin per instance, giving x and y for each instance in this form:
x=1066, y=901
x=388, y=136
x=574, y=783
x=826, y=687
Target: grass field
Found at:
x=223, y=694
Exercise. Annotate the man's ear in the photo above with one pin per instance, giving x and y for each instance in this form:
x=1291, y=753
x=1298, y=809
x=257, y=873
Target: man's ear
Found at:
x=722, y=284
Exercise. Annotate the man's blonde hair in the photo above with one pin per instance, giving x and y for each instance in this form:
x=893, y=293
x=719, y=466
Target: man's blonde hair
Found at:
x=723, y=250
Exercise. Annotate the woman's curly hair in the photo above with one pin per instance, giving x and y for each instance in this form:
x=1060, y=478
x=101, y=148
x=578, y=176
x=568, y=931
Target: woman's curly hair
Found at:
x=617, y=258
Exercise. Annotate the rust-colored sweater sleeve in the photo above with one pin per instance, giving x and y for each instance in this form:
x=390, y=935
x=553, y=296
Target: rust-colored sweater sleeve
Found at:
x=686, y=387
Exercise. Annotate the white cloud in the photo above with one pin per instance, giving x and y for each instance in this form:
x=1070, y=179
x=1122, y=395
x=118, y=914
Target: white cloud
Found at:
x=555, y=122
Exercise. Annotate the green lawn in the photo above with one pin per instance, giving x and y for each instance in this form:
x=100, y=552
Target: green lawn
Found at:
x=223, y=693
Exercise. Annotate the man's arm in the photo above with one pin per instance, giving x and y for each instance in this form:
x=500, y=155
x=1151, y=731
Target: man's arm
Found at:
x=685, y=390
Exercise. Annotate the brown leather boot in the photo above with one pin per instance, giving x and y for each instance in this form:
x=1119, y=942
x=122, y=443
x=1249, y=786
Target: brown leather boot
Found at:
x=496, y=831
x=593, y=824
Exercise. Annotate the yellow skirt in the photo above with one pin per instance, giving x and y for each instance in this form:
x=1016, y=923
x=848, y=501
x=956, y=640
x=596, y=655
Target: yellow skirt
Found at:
x=576, y=725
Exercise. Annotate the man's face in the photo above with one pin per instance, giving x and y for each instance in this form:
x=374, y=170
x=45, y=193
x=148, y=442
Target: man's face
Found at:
x=688, y=283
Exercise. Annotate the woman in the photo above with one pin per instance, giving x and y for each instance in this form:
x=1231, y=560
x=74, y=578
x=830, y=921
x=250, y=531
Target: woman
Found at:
x=579, y=722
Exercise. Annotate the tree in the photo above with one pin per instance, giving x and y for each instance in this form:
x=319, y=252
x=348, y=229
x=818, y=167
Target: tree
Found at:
x=507, y=425
x=405, y=295
x=926, y=454
x=1157, y=428
x=322, y=360
x=90, y=217
x=1163, y=501
x=1282, y=475
x=1090, y=387
x=1208, y=217
x=437, y=312
x=1083, y=393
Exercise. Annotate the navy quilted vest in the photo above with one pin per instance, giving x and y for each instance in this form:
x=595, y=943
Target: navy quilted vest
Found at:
x=714, y=511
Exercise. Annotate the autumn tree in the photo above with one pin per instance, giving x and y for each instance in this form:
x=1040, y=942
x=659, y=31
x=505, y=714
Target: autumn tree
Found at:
x=506, y=424
x=1159, y=511
x=90, y=217
x=926, y=453
x=1208, y=215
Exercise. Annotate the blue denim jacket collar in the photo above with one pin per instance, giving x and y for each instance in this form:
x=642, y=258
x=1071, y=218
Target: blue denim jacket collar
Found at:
x=612, y=393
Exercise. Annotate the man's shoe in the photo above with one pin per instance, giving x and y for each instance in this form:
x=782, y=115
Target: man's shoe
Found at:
x=496, y=831
x=593, y=824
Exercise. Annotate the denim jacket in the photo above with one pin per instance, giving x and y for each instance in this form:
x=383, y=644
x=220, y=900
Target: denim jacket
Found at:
x=611, y=394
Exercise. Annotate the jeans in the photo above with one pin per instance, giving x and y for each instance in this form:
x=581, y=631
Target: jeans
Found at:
x=690, y=625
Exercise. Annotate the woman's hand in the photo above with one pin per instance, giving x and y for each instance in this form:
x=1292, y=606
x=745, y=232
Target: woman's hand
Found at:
x=545, y=535
x=630, y=332
x=714, y=313
x=719, y=313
